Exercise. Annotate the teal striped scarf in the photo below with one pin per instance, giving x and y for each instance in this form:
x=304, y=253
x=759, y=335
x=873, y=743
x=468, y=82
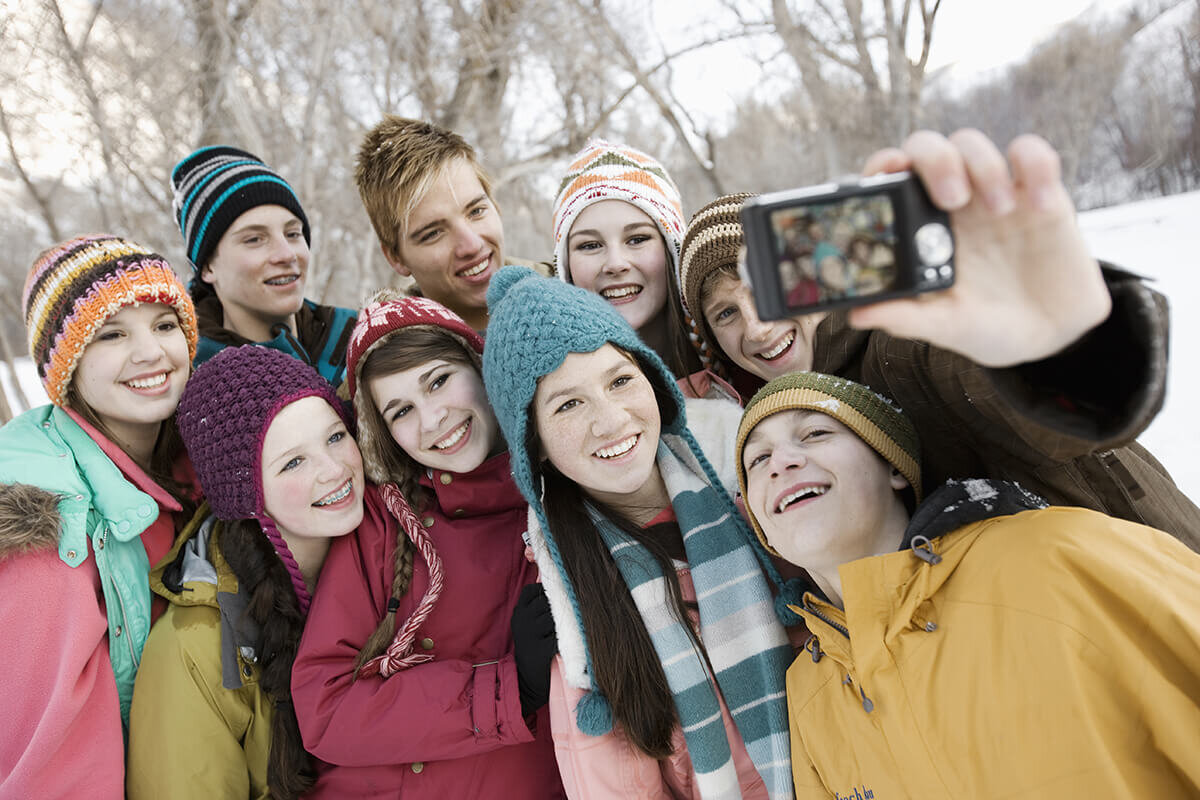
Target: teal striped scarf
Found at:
x=746, y=645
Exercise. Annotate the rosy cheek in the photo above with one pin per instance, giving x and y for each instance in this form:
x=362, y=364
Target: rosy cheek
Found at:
x=291, y=495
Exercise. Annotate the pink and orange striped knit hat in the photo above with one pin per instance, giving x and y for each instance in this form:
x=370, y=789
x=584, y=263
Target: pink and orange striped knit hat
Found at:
x=75, y=286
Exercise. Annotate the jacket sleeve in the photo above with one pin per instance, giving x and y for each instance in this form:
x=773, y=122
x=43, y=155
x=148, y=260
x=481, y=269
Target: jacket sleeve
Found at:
x=185, y=730
x=598, y=767
x=60, y=722
x=443, y=709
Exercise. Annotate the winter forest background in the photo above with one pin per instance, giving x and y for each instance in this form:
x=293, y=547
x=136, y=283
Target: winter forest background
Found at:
x=100, y=98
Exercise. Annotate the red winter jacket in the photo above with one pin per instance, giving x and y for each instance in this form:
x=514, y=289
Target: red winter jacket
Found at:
x=451, y=727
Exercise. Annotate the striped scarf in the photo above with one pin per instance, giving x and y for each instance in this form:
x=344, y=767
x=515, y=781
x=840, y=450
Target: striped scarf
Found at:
x=745, y=643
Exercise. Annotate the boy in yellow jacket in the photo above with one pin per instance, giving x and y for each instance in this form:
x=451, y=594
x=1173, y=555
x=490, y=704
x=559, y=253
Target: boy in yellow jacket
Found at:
x=977, y=644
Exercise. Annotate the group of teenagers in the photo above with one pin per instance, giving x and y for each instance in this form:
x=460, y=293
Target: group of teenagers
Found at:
x=590, y=528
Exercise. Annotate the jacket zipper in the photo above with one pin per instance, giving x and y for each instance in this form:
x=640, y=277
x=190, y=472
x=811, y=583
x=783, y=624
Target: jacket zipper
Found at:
x=121, y=604
x=867, y=704
x=817, y=613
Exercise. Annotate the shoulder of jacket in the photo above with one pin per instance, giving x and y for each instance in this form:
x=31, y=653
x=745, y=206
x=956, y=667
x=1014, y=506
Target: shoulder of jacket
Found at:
x=29, y=519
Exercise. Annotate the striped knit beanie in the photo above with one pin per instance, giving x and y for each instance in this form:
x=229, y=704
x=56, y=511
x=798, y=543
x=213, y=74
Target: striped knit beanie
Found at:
x=876, y=420
x=606, y=171
x=713, y=240
x=216, y=185
x=74, y=287
x=223, y=416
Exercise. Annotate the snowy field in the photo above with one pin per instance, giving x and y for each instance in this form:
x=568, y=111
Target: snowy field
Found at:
x=1156, y=238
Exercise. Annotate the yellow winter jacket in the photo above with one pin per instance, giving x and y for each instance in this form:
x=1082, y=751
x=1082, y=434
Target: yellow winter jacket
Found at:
x=1052, y=653
x=200, y=725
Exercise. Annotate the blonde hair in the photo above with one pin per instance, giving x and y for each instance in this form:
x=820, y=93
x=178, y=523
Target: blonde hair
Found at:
x=398, y=161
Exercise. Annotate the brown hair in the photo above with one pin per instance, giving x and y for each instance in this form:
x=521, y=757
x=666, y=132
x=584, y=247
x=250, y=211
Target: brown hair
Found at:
x=398, y=160
x=168, y=447
x=276, y=610
x=407, y=348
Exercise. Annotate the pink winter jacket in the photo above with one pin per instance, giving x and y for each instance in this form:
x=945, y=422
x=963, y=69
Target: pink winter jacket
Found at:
x=603, y=767
x=451, y=727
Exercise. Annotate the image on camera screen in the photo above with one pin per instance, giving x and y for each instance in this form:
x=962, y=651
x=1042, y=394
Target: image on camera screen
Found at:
x=833, y=251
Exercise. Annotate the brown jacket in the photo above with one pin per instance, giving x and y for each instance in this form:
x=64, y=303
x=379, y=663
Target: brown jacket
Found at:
x=1063, y=428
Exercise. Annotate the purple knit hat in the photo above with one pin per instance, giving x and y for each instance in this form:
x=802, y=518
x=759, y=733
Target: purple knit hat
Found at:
x=223, y=416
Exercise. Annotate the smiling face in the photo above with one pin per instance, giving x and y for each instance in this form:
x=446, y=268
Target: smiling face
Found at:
x=820, y=494
x=312, y=473
x=598, y=421
x=438, y=414
x=258, y=271
x=765, y=349
x=454, y=243
x=133, y=372
x=616, y=251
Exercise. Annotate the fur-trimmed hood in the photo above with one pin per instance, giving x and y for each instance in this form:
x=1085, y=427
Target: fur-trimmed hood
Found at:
x=29, y=519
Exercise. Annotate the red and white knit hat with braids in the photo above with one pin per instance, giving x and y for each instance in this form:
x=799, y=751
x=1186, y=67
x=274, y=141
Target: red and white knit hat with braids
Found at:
x=389, y=313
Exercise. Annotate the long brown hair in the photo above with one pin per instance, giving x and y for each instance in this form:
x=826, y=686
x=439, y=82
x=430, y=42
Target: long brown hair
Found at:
x=626, y=666
x=386, y=461
x=273, y=606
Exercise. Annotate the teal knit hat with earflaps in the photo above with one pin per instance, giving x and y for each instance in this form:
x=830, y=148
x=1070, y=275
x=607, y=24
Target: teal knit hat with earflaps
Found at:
x=533, y=324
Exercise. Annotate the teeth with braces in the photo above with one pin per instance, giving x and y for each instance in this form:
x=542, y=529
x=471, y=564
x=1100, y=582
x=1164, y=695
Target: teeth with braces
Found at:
x=623, y=291
x=618, y=449
x=779, y=348
x=340, y=495
x=799, y=494
x=149, y=383
x=454, y=437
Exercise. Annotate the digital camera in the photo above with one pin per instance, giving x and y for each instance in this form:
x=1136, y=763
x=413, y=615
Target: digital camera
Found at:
x=838, y=245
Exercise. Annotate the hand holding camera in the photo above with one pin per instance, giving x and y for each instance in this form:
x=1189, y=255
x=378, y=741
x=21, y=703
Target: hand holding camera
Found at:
x=1014, y=283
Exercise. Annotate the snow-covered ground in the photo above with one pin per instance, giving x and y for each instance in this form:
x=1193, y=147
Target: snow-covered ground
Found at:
x=1156, y=238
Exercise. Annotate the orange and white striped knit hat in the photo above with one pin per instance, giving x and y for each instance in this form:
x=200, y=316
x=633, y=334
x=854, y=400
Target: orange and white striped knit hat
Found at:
x=606, y=171
x=74, y=287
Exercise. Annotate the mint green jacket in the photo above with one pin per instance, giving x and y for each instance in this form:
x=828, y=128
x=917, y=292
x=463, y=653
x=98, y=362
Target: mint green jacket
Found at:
x=45, y=448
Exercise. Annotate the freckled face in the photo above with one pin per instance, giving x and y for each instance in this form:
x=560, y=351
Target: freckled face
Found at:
x=599, y=424
x=312, y=472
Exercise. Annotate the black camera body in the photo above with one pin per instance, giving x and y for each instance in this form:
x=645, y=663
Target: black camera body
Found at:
x=837, y=245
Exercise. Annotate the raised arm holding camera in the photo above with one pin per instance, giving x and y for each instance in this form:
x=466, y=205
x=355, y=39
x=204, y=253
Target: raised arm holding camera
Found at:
x=1037, y=366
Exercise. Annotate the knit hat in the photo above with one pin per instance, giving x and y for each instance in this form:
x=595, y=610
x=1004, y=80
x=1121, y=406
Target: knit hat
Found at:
x=216, y=185
x=533, y=324
x=223, y=417
x=876, y=420
x=606, y=171
x=75, y=286
x=713, y=240
x=386, y=313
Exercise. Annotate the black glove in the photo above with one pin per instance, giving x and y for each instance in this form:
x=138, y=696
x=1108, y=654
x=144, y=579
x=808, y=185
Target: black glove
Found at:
x=534, y=646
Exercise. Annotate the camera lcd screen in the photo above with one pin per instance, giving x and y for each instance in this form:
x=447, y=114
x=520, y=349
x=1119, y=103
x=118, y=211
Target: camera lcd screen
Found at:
x=828, y=252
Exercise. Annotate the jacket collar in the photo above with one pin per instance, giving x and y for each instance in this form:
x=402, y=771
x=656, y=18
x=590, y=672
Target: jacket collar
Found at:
x=129, y=468
x=488, y=489
x=958, y=503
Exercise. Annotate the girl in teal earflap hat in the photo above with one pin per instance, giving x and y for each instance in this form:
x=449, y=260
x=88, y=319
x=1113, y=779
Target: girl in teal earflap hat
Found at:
x=669, y=613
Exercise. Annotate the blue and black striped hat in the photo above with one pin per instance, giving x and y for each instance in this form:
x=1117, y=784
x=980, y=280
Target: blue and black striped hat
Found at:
x=216, y=185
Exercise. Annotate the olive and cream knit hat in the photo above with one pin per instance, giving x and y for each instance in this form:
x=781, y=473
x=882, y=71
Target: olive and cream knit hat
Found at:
x=216, y=185
x=876, y=420
x=75, y=286
x=606, y=171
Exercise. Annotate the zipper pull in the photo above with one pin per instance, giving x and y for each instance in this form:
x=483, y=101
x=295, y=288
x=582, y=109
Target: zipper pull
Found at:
x=923, y=549
x=867, y=705
x=813, y=646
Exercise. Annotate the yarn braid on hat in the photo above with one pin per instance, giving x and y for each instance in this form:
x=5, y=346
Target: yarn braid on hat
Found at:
x=533, y=324
x=76, y=286
x=214, y=186
x=223, y=416
x=874, y=418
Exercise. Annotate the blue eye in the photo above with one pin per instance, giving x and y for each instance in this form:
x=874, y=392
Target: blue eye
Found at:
x=295, y=462
x=337, y=437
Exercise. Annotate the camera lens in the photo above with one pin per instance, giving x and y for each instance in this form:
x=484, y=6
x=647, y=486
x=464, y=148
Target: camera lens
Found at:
x=935, y=246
